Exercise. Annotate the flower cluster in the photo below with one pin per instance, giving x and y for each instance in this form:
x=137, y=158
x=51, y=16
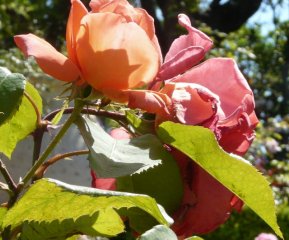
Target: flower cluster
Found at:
x=114, y=49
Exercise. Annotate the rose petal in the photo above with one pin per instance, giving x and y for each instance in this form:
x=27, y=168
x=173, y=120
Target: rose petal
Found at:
x=194, y=38
x=131, y=14
x=238, y=138
x=192, y=103
x=77, y=12
x=48, y=58
x=115, y=60
x=152, y=102
x=206, y=203
x=182, y=61
x=104, y=5
x=102, y=183
x=221, y=76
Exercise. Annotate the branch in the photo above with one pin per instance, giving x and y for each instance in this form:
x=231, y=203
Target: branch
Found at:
x=101, y=113
x=41, y=170
x=229, y=16
x=38, y=115
x=75, y=112
x=10, y=182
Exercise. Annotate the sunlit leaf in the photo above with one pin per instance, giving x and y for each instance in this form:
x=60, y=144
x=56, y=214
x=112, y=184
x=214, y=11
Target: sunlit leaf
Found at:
x=12, y=87
x=231, y=170
x=194, y=238
x=64, y=210
x=23, y=122
x=59, y=115
x=3, y=211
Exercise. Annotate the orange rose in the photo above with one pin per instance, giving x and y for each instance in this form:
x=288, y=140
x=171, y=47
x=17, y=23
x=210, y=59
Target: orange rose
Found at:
x=113, y=48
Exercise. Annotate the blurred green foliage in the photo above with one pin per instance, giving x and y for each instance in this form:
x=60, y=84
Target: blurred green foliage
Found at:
x=247, y=225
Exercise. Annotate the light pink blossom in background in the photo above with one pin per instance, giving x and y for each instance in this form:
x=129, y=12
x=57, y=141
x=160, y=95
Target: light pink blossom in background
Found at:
x=266, y=236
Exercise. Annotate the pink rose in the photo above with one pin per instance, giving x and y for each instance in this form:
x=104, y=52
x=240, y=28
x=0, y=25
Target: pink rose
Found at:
x=213, y=94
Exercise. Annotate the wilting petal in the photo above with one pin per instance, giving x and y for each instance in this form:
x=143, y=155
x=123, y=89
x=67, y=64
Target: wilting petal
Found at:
x=48, y=58
x=121, y=59
x=192, y=104
x=77, y=12
x=206, y=203
x=182, y=61
x=238, y=138
x=152, y=102
x=194, y=38
x=221, y=76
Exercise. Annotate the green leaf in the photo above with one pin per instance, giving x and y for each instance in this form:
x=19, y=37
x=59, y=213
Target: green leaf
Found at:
x=51, y=209
x=141, y=125
x=12, y=87
x=163, y=182
x=59, y=115
x=115, y=158
x=232, y=171
x=159, y=232
x=194, y=238
x=3, y=212
x=23, y=122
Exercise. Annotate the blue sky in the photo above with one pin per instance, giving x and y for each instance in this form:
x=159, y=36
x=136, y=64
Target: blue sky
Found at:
x=264, y=16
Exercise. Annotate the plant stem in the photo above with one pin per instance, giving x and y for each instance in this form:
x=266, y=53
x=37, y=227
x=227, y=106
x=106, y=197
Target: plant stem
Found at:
x=76, y=111
x=41, y=170
x=10, y=182
x=37, y=138
x=39, y=132
x=113, y=115
x=38, y=115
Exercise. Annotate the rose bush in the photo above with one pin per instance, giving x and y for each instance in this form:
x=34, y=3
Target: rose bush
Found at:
x=101, y=47
x=215, y=95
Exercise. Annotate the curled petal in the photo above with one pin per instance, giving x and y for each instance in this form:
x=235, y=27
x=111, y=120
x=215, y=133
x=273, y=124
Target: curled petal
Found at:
x=182, y=61
x=221, y=76
x=48, y=58
x=194, y=38
x=77, y=12
x=198, y=37
x=152, y=102
x=238, y=138
x=114, y=61
x=192, y=104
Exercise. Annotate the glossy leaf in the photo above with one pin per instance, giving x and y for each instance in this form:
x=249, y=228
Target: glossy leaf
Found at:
x=64, y=210
x=12, y=87
x=115, y=158
x=232, y=171
x=23, y=122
